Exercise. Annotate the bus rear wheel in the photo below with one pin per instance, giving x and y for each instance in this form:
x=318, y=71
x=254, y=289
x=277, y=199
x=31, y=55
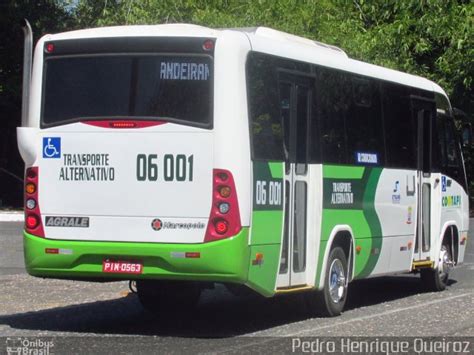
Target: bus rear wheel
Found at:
x=330, y=301
x=437, y=279
x=160, y=296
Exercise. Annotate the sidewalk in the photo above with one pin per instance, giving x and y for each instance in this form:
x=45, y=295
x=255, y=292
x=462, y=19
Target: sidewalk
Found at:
x=11, y=216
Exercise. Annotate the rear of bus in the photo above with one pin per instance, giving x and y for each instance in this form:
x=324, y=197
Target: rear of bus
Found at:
x=123, y=176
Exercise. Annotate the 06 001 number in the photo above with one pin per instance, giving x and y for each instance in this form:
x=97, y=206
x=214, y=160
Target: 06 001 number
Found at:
x=174, y=168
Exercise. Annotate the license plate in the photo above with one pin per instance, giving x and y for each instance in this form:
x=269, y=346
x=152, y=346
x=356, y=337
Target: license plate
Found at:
x=122, y=267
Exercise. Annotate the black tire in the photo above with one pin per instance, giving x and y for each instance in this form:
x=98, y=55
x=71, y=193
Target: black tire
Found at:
x=436, y=280
x=321, y=303
x=160, y=296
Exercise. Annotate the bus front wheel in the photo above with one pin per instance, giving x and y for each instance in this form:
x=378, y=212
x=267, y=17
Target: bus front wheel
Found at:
x=437, y=279
x=160, y=296
x=330, y=301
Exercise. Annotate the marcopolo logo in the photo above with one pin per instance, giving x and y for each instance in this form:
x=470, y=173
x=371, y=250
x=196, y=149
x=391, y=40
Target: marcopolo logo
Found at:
x=71, y=222
x=156, y=224
x=51, y=147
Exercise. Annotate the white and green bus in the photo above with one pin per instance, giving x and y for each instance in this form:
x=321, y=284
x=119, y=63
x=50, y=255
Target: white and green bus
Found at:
x=181, y=156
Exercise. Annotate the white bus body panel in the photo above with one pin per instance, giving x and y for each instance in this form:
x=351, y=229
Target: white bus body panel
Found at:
x=232, y=138
x=312, y=54
x=119, y=206
x=454, y=214
x=396, y=206
x=123, y=209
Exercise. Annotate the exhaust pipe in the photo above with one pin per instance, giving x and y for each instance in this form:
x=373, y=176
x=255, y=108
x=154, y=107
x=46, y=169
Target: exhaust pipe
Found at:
x=27, y=63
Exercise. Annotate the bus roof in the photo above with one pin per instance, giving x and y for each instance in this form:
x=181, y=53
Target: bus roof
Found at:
x=265, y=40
x=172, y=30
x=303, y=49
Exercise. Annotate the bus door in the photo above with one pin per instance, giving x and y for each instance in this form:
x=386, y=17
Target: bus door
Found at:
x=295, y=101
x=428, y=186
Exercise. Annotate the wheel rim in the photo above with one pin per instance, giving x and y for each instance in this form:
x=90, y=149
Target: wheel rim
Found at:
x=337, y=281
x=445, y=263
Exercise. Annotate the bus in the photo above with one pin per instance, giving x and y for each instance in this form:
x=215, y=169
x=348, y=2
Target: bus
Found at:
x=180, y=156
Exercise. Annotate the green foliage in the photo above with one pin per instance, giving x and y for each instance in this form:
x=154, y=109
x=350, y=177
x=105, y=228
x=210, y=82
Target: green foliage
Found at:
x=294, y=16
x=44, y=16
x=431, y=38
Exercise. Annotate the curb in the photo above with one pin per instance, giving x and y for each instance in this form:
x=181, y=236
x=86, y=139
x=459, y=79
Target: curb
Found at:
x=12, y=217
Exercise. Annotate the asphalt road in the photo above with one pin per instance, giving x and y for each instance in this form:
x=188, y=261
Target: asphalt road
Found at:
x=83, y=317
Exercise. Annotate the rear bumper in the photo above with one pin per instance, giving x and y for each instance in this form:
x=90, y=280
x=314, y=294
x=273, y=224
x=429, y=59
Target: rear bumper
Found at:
x=221, y=261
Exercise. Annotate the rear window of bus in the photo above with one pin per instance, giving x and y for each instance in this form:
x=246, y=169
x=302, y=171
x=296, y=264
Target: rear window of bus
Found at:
x=175, y=88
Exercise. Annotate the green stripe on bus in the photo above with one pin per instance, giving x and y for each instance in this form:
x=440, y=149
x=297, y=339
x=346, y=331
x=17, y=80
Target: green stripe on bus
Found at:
x=360, y=215
x=345, y=172
x=360, y=229
x=276, y=170
x=373, y=221
x=267, y=227
x=224, y=260
x=263, y=268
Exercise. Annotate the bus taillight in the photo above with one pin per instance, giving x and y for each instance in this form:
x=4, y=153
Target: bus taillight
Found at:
x=224, y=207
x=224, y=191
x=221, y=226
x=122, y=124
x=30, y=203
x=208, y=45
x=33, y=223
x=224, y=219
x=49, y=48
x=30, y=188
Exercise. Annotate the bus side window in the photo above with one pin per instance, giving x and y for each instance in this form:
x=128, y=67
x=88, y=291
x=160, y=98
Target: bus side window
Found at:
x=451, y=151
x=364, y=123
x=400, y=132
x=453, y=168
x=264, y=108
x=334, y=94
x=285, y=105
x=441, y=138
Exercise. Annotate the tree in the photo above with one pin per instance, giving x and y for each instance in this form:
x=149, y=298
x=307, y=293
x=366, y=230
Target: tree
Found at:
x=430, y=38
x=45, y=16
x=434, y=39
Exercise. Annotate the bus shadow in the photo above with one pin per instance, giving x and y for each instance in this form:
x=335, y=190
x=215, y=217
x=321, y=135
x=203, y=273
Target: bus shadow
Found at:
x=219, y=314
x=216, y=316
x=373, y=291
x=369, y=292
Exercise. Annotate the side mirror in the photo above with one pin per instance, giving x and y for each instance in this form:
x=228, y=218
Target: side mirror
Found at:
x=466, y=135
x=465, y=127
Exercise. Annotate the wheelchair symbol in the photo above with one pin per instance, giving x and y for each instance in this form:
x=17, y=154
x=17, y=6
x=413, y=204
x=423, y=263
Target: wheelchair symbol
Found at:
x=51, y=147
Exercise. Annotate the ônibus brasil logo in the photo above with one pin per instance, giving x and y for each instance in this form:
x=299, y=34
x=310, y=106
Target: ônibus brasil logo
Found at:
x=156, y=224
